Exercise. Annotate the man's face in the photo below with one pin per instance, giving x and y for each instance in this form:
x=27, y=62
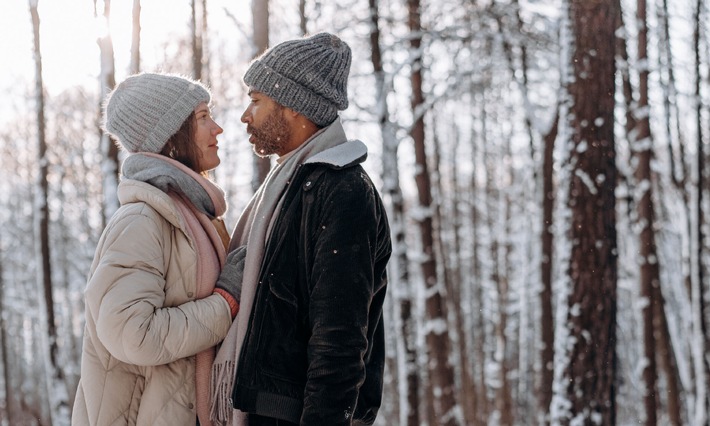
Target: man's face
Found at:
x=269, y=130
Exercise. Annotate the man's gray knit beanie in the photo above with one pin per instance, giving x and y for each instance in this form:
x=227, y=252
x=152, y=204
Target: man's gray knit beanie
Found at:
x=145, y=110
x=308, y=75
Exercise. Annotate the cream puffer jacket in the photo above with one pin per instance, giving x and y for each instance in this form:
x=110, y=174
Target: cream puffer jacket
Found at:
x=143, y=323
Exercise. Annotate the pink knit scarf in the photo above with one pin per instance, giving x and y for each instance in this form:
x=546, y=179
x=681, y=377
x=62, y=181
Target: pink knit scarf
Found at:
x=211, y=254
x=211, y=248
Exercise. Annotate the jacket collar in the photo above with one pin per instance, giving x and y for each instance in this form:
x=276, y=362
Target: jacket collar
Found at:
x=343, y=153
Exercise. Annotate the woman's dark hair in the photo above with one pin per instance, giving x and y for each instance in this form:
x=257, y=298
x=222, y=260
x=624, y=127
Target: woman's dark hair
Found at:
x=181, y=146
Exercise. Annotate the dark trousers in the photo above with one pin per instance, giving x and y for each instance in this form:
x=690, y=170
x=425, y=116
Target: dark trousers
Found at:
x=255, y=420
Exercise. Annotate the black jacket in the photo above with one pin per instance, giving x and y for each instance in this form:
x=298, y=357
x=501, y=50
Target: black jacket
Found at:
x=314, y=350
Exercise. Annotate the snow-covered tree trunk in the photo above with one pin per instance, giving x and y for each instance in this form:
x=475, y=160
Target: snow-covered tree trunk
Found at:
x=303, y=19
x=57, y=392
x=6, y=414
x=457, y=301
x=517, y=58
x=496, y=293
x=135, y=65
x=480, y=304
x=547, y=330
x=585, y=370
x=699, y=332
x=504, y=396
x=469, y=398
x=196, y=39
x=260, y=28
x=109, y=149
x=205, y=75
x=398, y=267
x=446, y=220
x=441, y=373
x=666, y=358
x=642, y=150
x=666, y=353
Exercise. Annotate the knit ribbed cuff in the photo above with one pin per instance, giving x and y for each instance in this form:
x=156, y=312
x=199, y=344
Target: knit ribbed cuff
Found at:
x=231, y=301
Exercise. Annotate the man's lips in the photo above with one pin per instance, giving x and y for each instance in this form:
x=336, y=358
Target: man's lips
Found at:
x=250, y=132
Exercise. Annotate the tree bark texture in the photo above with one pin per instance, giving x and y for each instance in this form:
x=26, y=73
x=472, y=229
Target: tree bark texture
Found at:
x=441, y=373
x=701, y=338
x=109, y=149
x=136, y=37
x=399, y=264
x=547, y=332
x=8, y=406
x=196, y=39
x=260, y=25
x=592, y=364
x=55, y=376
x=642, y=150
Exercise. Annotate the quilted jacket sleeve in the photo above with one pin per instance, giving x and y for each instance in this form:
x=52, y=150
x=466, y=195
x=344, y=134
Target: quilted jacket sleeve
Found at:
x=125, y=296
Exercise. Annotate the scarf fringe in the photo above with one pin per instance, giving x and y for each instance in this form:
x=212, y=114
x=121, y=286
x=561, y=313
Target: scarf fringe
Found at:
x=221, y=384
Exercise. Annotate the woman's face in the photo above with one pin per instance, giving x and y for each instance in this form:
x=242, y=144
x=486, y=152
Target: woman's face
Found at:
x=206, y=131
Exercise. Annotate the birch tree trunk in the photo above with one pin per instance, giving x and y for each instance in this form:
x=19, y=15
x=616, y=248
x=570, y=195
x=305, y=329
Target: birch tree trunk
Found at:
x=447, y=225
x=7, y=412
x=497, y=293
x=205, y=74
x=504, y=397
x=407, y=374
x=196, y=39
x=586, y=391
x=441, y=373
x=547, y=331
x=479, y=318
x=469, y=399
x=303, y=20
x=678, y=168
x=135, y=66
x=451, y=223
x=678, y=173
x=699, y=332
x=107, y=80
x=666, y=357
x=260, y=25
x=57, y=392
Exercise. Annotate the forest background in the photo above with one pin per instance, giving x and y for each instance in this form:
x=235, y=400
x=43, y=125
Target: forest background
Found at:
x=542, y=162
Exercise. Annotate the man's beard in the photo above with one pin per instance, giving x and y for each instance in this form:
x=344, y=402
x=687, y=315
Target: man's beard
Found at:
x=272, y=136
